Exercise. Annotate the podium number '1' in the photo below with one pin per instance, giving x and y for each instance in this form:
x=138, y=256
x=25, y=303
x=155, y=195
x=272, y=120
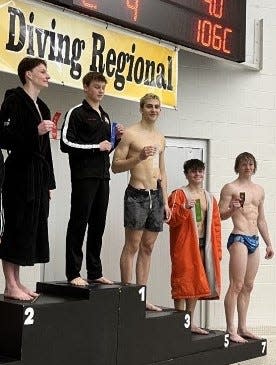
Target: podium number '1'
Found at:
x=142, y=292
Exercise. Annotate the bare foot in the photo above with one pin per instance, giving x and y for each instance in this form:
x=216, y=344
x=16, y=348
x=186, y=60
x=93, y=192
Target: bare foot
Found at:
x=249, y=335
x=28, y=291
x=34, y=299
x=17, y=294
x=234, y=337
x=79, y=281
x=198, y=330
x=152, y=307
x=102, y=280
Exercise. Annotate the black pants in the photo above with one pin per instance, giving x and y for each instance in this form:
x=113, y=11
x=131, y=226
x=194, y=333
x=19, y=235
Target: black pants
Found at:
x=89, y=201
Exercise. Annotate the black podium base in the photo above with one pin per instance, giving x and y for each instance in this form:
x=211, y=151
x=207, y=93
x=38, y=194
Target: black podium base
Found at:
x=108, y=325
x=234, y=354
x=6, y=360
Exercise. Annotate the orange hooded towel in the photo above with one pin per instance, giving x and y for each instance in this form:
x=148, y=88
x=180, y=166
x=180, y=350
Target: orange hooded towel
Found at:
x=189, y=277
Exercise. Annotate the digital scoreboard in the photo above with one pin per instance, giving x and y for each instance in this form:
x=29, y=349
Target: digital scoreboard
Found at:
x=216, y=27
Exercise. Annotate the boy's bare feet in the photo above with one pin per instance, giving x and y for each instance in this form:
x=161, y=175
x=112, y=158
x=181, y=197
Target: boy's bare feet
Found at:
x=152, y=307
x=17, y=294
x=28, y=291
x=79, y=281
x=234, y=337
x=248, y=335
x=198, y=330
x=102, y=280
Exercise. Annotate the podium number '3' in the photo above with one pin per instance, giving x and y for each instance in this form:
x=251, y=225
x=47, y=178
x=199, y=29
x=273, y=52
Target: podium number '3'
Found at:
x=187, y=320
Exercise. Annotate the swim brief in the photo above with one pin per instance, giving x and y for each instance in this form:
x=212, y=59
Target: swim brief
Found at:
x=202, y=242
x=251, y=242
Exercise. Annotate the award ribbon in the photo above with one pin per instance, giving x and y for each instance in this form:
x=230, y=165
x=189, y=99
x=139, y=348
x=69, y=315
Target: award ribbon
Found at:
x=155, y=159
x=242, y=198
x=198, y=210
x=55, y=120
x=113, y=134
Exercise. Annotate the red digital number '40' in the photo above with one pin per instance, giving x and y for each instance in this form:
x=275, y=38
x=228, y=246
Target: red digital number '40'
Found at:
x=215, y=7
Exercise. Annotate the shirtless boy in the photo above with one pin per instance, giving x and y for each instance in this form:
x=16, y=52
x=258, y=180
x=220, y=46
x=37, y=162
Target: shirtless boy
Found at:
x=141, y=151
x=195, y=237
x=243, y=201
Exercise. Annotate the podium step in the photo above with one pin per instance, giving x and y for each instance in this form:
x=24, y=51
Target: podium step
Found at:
x=57, y=330
x=63, y=289
x=8, y=361
x=150, y=336
x=108, y=325
x=235, y=353
x=214, y=340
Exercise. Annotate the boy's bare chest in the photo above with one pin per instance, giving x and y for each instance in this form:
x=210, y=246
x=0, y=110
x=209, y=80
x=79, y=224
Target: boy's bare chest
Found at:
x=143, y=140
x=247, y=196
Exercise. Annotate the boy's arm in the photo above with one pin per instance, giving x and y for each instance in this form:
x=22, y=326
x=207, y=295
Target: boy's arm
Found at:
x=122, y=161
x=69, y=140
x=227, y=205
x=263, y=229
x=217, y=227
x=164, y=182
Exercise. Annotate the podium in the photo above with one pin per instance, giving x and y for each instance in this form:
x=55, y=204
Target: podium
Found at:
x=108, y=325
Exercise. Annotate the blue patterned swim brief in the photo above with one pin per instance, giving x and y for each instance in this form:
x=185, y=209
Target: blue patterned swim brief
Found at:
x=251, y=242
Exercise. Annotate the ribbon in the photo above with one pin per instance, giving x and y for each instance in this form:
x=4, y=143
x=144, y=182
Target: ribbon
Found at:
x=113, y=133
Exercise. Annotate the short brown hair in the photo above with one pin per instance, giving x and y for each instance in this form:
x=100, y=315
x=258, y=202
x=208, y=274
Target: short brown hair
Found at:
x=146, y=97
x=194, y=164
x=27, y=64
x=93, y=76
x=245, y=156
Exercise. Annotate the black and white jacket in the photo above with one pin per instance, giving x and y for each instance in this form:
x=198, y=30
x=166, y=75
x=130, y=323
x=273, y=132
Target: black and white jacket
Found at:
x=82, y=131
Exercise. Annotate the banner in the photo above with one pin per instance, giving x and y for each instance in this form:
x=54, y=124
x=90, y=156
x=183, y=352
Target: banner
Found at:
x=73, y=45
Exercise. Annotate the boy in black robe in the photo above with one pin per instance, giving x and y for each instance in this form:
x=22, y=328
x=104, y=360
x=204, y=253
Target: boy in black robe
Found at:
x=28, y=176
x=1, y=183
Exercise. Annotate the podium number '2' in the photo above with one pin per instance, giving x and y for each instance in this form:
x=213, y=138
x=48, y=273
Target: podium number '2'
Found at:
x=29, y=312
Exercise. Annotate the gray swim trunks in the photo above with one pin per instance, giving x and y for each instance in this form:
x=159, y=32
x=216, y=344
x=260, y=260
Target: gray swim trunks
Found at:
x=144, y=209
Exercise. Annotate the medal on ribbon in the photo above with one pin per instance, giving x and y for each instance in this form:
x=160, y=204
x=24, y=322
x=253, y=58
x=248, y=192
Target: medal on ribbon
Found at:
x=198, y=210
x=113, y=134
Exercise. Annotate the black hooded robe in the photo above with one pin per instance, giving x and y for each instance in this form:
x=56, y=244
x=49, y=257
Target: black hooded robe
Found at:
x=1, y=183
x=28, y=178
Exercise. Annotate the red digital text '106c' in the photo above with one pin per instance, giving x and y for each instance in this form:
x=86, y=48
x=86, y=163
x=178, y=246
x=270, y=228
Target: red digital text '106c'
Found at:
x=211, y=34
